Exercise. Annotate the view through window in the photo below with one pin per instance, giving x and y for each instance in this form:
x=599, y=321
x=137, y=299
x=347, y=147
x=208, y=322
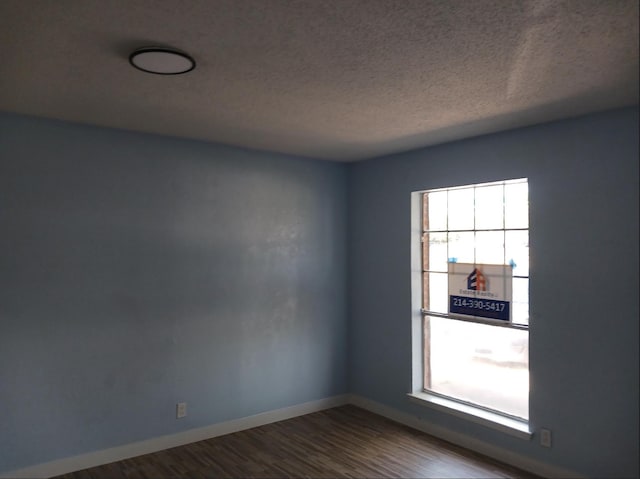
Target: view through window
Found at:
x=482, y=361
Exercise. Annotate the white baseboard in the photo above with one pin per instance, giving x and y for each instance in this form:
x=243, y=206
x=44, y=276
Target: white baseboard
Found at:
x=468, y=442
x=105, y=456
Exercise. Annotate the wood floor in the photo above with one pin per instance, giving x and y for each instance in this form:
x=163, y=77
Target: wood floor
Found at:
x=342, y=442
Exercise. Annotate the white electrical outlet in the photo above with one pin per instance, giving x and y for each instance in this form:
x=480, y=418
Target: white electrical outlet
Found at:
x=545, y=437
x=181, y=409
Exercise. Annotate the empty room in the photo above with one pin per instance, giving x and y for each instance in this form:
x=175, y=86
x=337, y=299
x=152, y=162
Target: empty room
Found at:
x=319, y=238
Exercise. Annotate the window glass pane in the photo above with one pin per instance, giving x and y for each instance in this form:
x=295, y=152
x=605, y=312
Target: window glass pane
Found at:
x=425, y=291
x=435, y=245
x=490, y=247
x=517, y=250
x=520, y=313
x=485, y=365
x=482, y=364
x=520, y=304
x=461, y=247
x=438, y=292
x=521, y=290
x=516, y=213
x=425, y=252
x=489, y=211
x=460, y=212
x=437, y=210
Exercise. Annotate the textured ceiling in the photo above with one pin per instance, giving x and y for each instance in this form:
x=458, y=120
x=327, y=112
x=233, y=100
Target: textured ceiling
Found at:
x=333, y=79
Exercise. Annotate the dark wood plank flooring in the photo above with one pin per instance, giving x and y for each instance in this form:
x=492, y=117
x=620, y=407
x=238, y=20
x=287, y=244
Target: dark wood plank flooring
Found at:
x=344, y=442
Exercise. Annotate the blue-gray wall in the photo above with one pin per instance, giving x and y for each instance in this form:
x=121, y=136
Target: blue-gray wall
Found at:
x=138, y=271
x=583, y=183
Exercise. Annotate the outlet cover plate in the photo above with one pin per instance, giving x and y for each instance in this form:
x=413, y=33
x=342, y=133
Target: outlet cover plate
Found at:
x=545, y=437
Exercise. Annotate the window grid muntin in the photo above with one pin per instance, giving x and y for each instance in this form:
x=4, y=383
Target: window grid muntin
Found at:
x=447, y=231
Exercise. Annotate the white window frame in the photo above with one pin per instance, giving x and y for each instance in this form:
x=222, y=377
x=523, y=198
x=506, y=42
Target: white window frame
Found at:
x=475, y=413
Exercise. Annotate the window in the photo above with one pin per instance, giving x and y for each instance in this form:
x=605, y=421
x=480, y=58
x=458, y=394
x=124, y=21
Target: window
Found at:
x=476, y=355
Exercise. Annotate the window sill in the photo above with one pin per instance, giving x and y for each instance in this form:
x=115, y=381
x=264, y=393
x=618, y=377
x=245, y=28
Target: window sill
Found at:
x=513, y=427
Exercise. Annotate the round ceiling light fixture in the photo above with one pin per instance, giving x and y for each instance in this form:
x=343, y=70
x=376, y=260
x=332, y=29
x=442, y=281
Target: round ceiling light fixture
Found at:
x=162, y=61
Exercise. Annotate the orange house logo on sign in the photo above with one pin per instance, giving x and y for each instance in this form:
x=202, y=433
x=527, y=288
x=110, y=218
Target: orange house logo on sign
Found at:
x=476, y=281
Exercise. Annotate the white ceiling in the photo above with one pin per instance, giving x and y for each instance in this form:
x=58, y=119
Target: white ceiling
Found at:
x=333, y=79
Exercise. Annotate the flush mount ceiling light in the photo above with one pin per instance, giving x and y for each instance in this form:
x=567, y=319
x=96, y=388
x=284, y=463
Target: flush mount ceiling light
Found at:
x=162, y=61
